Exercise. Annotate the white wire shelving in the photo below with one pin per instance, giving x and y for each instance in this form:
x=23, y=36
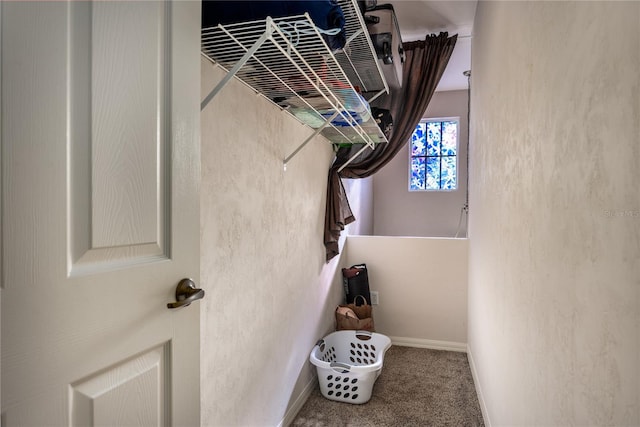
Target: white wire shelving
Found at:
x=358, y=57
x=287, y=61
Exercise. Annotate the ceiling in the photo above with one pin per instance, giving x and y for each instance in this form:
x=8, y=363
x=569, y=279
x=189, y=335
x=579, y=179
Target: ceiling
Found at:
x=417, y=18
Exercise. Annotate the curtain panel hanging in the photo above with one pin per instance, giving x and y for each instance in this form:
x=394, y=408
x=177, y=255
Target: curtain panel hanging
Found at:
x=424, y=65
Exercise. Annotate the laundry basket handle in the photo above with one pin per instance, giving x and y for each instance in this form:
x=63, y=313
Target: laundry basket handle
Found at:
x=363, y=335
x=345, y=368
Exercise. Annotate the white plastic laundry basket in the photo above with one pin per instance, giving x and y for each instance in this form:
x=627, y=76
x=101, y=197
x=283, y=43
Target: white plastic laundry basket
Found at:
x=348, y=363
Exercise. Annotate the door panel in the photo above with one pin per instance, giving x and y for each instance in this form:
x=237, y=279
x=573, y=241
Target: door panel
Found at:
x=118, y=187
x=125, y=194
x=100, y=212
x=134, y=392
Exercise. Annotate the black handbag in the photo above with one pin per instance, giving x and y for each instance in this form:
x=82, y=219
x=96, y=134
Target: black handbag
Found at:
x=356, y=282
x=383, y=119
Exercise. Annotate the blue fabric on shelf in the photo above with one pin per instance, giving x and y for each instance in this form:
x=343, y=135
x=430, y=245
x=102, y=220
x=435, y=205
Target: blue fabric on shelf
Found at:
x=325, y=14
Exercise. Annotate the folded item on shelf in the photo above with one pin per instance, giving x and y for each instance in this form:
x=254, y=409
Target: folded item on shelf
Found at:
x=308, y=117
x=314, y=111
x=357, y=109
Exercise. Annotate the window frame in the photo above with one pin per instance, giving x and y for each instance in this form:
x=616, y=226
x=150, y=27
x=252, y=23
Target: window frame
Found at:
x=457, y=163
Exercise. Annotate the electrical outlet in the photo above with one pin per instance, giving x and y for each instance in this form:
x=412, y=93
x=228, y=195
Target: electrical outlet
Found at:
x=374, y=298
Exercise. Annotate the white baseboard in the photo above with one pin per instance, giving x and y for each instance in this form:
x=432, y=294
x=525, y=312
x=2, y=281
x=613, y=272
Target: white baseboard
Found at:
x=476, y=382
x=291, y=413
x=432, y=344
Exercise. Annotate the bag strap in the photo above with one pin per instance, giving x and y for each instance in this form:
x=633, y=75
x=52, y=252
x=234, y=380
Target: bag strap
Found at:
x=363, y=299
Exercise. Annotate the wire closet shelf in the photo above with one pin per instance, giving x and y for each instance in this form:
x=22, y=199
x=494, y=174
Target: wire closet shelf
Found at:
x=288, y=62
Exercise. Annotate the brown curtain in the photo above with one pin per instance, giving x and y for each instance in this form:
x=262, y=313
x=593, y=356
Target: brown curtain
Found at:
x=425, y=62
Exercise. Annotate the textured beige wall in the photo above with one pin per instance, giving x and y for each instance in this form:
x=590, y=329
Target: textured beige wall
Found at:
x=400, y=212
x=422, y=285
x=554, y=272
x=270, y=296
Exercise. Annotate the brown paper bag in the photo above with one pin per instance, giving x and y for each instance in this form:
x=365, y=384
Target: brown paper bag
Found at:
x=353, y=317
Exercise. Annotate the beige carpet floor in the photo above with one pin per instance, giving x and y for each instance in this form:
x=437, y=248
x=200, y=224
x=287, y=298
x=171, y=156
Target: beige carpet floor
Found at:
x=417, y=387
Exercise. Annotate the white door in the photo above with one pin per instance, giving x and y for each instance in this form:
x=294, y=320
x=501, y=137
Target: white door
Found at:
x=100, y=212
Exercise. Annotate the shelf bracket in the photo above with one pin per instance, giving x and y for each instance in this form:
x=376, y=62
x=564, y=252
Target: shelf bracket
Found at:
x=248, y=54
x=377, y=95
x=313, y=135
x=353, y=157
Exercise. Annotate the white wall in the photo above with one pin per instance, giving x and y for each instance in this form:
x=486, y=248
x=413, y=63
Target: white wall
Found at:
x=422, y=286
x=270, y=295
x=554, y=271
x=360, y=196
x=399, y=212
